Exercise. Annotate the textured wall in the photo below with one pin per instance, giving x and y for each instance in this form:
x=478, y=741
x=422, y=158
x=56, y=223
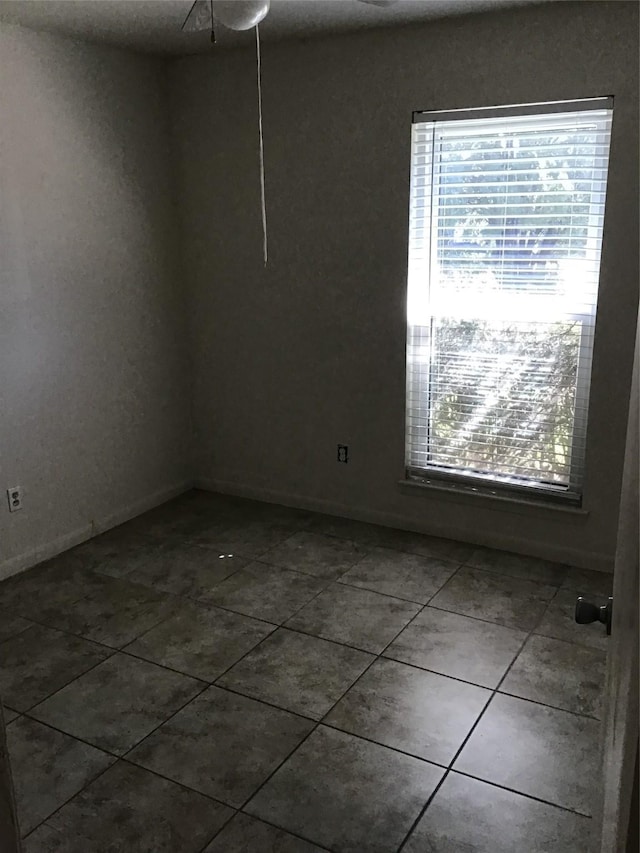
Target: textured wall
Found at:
x=292, y=360
x=94, y=412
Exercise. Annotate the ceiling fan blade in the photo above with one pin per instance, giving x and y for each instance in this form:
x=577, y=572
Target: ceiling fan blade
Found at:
x=199, y=17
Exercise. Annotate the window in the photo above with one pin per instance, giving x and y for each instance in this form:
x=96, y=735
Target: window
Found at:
x=506, y=218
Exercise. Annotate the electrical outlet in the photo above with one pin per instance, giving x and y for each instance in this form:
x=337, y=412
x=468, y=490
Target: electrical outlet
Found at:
x=343, y=453
x=14, y=496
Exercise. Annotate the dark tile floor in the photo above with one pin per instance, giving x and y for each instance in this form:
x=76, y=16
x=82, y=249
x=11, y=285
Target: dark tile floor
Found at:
x=220, y=675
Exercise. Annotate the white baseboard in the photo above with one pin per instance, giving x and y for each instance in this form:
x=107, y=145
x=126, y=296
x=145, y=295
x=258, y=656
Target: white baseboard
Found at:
x=543, y=550
x=45, y=551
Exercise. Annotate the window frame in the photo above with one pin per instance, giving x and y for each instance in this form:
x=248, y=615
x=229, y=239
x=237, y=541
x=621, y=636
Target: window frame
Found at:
x=494, y=484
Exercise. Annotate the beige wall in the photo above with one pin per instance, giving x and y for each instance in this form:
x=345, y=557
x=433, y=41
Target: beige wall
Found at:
x=94, y=414
x=291, y=360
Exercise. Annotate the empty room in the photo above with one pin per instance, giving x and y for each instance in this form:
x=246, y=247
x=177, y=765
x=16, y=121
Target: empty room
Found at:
x=319, y=426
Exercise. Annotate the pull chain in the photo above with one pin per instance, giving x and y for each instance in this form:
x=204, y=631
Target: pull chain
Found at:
x=262, y=187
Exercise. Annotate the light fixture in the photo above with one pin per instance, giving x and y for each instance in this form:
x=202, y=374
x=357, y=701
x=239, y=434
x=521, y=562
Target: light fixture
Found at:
x=240, y=14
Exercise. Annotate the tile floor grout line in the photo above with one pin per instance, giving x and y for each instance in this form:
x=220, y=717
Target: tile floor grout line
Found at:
x=375, y=742
x=449, y=769
x=208, y=606
x=377, y=656
x=208, y=684
x=386, y=594
x=320, y=592
x=113, y=651
x=498, y=689
x=68, y=800
x=437, y=672
x=108, y=751
x=491, y=698
x=521, y=794
x=170, y=668
x=217, y=832
x=319, y=722
x=269, y=823
x=120, y=758
x=73, y=737
x=66, y=684
x=547, y=705
x=296, y=630
x=463, y=563
x=102, y=749
x=186, y=787
x=180, y=600
x=423, y=811
x=116, y=758
x=236, y=692
x=475, y=618
x=205, y=687
x=524, y=643
x=69, y=633
x=17, y=633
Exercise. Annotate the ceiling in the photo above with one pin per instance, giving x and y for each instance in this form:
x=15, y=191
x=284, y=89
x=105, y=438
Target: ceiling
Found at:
x=155, y=25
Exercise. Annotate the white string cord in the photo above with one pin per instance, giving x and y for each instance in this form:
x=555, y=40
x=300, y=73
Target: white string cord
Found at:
x=262, y=188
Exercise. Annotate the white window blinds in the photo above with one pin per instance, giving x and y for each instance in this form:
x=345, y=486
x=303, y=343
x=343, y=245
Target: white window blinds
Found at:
x=506, y=222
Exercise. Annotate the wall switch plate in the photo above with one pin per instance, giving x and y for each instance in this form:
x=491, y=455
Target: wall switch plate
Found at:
x=343, y=453
x=14, y=496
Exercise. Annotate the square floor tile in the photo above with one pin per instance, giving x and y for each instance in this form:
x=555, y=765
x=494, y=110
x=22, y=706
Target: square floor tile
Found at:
x=251, y=538
x=415, y=543
x=513, y=602
x=346, y=528
x=222, y=744
x=129, y=810
x=589, y=583
x=200, y=641
x=347, y=794
x=419, y=712
x=357, y=617
x=42, y=592
x=244, y=834
x=116, y=552
x=458, y=646
x=115, y=612
x=468, y=816
x=250, y=510
x=39, y=661
x=9, y=715
x=559, y=622
x=300, y=673
x=402, y=575
x=435, y=546
x=377, y=536
x=315, y=554
x=517, y=566
x=266, y=592
x=188, y=570
x=560, y=674
x=173, y=521
x=535, y=750
x=11, y=624
x=119, y=702
x=48, y=768
x=208, y=529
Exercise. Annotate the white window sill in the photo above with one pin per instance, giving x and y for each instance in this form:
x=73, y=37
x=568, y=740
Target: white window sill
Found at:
x=508, y=502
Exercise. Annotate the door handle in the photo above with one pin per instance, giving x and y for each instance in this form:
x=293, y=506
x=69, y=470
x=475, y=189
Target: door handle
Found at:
x=587, y=612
